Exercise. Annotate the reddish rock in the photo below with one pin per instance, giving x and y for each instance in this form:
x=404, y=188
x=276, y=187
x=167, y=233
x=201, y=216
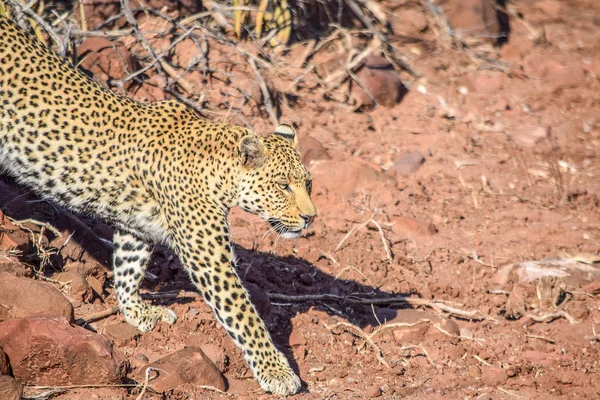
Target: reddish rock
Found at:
x=259, y=298
x=76, y=284
x=106, y=60
x=409, y=162
x=296, y=339
x=96, y=285
x=216, y=354
x=311, y=150
x=49, y=351
x=189, y=365
x=122, y=332
x=410, y=227
x=4, y=363
x=186, y=52
x=342, y=178
x=24, y=297
x=376, y=82
x=472, y=18
x=493, y=376
x=373, y=391
x=529, y=135
x=409, y=23
x=10, y=388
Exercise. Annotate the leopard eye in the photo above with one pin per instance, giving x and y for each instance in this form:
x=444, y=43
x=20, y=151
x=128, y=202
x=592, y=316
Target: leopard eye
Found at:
x=309, y=186
x=284, y=186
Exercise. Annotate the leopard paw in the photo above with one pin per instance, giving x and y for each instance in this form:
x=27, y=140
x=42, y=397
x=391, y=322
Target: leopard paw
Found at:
x=278, y=378
x=145, y=318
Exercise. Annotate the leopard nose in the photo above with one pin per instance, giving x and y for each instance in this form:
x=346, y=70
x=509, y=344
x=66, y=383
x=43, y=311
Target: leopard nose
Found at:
x=308, y=219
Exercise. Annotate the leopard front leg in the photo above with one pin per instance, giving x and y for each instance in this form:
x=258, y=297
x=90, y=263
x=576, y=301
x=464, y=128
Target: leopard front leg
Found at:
x=130, y=259
x=211, y=266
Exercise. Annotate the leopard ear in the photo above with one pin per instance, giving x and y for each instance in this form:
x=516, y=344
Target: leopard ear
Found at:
x=252, y=151
x=287, y=132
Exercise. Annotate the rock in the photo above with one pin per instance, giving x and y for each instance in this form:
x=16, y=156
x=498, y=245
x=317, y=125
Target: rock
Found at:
x=529, y=135
x=409, y=162
x=79, y=288
x=216, y=354
x=373, y=391
x=311, y=150
x=410, y=227
x=342, y=178
x=4, y=363
x=49, y=351
x=189, y=365
x=10, y=388
x=474, y=18
x=105, y=60
x=259, y=298
x=186, y=52
x=139, y=360
x=24, y=297
x=378, y=83
x=296, y=339
x=122, y=332
x=493, y=376
x=96, y=285
x=409, y=23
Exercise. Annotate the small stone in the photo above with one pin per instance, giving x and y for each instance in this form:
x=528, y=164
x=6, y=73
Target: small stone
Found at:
x=10, y=388
x=378, y=83
x=474, y=372
x=96, y=286
x=410, y=227
x=493, y=376
x=122, y=332
x=189, y=365
x=296, y=339
x=409, y=23
x=408, y=163
x=24, y=297
x=139, y=360
x=79, y=287
x=373, y=391
x=49, y=351
x=217, y=355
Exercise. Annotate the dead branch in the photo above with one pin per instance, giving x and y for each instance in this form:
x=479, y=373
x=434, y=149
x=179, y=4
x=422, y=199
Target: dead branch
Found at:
x=96, y=316
x=265, y=92
x=474, y=315
x=551, y=317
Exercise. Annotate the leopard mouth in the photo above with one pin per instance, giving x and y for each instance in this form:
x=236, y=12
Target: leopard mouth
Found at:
x=285, y=231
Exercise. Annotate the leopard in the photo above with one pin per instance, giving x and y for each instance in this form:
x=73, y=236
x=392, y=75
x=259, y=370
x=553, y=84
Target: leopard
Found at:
x=159, y=173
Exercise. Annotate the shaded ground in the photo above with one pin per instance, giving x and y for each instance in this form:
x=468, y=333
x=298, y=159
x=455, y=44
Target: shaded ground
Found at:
x=510, y=175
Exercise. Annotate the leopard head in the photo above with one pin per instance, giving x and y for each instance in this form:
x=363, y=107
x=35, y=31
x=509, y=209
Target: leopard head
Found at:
x=274, y=184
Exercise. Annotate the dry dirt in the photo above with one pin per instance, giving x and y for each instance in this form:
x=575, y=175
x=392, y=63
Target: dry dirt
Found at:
x=502, y=169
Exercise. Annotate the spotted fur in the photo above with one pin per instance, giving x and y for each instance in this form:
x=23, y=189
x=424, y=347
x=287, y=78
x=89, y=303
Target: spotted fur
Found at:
x=158, y=173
